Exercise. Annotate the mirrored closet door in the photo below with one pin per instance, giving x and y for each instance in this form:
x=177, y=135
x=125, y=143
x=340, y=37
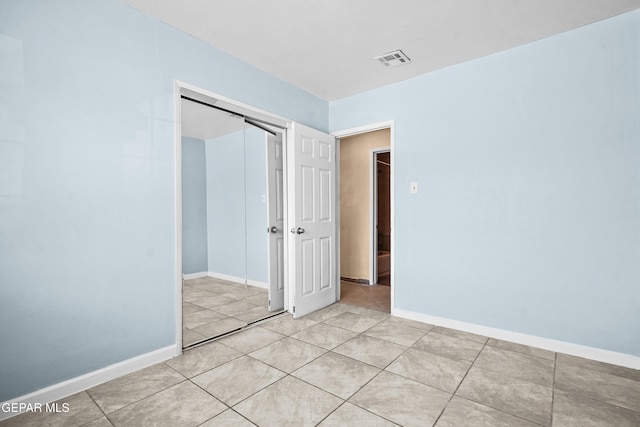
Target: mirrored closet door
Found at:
x=231, y=237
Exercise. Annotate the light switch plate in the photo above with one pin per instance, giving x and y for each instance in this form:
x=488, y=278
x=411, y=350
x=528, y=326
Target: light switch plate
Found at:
x=413, y=189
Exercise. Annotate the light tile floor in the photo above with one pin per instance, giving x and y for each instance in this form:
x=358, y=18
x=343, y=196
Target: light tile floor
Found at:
x=376, y=297
x=351, y=366
x=211, y=307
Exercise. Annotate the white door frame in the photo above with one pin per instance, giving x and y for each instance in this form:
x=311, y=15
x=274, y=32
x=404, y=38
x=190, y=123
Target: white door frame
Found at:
x=356, y=131
x=373, y=210
x=224, y=102
x=178, y=213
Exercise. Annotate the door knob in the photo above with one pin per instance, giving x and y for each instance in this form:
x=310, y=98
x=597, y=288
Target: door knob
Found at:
x=273, y=230
x=298, y=230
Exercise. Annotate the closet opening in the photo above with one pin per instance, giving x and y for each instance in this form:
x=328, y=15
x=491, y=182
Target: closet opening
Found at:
x=230, y=213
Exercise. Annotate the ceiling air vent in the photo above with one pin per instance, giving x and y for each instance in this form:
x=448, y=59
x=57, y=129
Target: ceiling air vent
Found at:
x=393, y=59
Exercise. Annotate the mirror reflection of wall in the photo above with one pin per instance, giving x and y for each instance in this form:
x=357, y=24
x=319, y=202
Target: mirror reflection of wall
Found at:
x=211, y=306
x=194, y=206
x=245, y=214
x=224, y=216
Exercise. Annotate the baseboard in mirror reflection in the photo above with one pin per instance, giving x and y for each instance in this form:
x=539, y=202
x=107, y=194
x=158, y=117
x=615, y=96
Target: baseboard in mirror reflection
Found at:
x=237, y=279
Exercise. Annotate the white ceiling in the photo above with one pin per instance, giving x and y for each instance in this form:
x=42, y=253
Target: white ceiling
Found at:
x=326, y=47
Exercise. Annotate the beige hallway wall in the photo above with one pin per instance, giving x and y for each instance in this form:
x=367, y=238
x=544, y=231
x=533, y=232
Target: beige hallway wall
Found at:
x=355, y=221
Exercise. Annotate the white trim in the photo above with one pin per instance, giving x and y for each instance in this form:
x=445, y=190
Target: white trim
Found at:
x=92, y=379
x=373, y=218
x=392, y=214
x=236, y=106
x=178, y=212
x=289, y=286
x=337, y=210
x=373, y=210
x=600, y=355
x=235, y=279
x=238, y=279
x=230, y=278
x=289, y=169
x=390, y=124
x=191, y=276
x=364, y=129
x=257, y=284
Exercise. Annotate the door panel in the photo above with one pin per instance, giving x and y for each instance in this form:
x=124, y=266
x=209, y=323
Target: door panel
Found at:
x=312, y=216
x=308, y=258
x=325, y=262
x=325, y=195
x=275, y=221
x=308, y=190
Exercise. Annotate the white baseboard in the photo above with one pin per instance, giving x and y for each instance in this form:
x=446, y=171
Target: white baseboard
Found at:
x=92, y=379
x=600, y=355
x=199, y=275
x=257, y=284
x=228, y=277
x=237, y=279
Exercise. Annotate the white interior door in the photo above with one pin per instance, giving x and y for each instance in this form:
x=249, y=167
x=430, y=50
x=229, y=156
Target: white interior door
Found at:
x=275, y=221
x=313, y=243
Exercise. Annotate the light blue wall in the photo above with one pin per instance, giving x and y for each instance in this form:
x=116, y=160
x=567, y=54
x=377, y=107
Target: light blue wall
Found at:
x=226, y=204
x=194, y=206
x=528, y=164
x=228, y=209
x=257, y=237
x=87, y=193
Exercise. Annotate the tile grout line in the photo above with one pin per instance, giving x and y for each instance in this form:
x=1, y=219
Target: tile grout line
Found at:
x=484, y=368
x=239, y=414
x=376, y=375
x=486, y=344
x=330, y=413
x=331, y=351
x=357, y=406
x=256, y=392
x=242, y=354
x=139, y=400
x=148, y=396
x=286, y=374
x=213, y=309
x=461, y=381
x=501, y=410
x=228, y=407
x=352, y=394
x=244, y=330
x=98, y=406
x=597, y=399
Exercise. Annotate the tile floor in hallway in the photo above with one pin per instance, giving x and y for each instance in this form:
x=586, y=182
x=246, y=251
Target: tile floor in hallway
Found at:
x=351, y=366
x=374, y=297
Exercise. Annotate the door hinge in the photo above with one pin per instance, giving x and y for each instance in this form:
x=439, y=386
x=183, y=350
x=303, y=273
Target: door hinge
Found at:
x=294, y=309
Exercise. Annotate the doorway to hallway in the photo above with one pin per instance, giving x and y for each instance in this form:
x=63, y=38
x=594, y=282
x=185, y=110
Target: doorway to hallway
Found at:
x=365, y=218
